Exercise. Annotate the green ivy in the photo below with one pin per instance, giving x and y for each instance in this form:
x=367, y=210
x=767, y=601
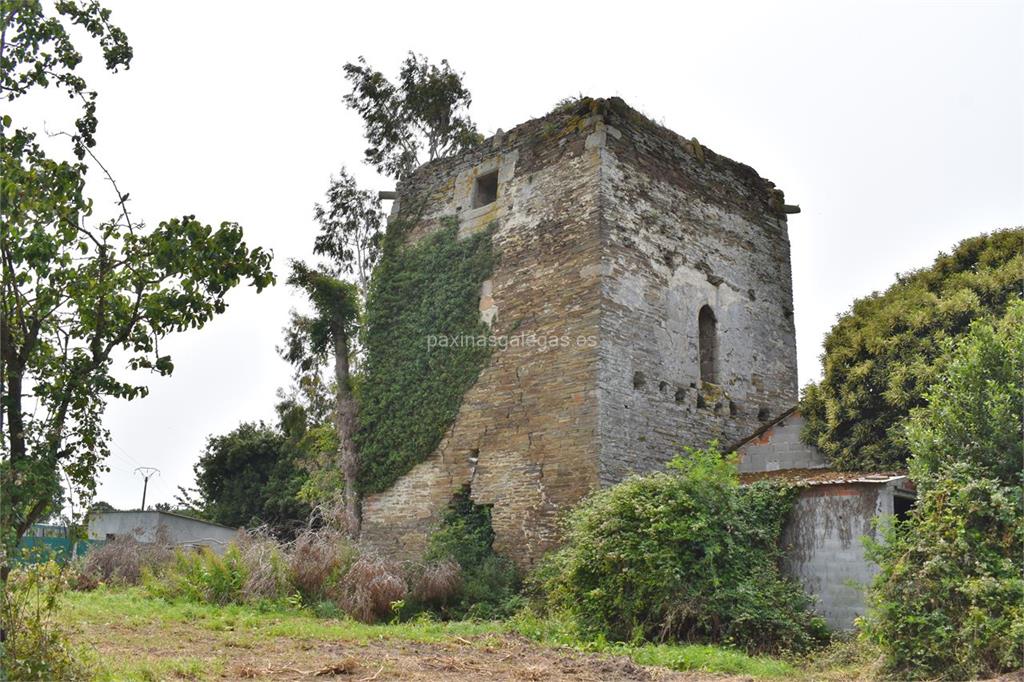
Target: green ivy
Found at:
x=411, y=393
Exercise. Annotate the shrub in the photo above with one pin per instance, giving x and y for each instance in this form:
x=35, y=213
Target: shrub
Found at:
x=949, y=600
x=685, y=555
x=253, y=569
x=318, y=560
x=490, y=584
x=372, y=589
x=36, y=647
x=201, y=576
x=122, y=561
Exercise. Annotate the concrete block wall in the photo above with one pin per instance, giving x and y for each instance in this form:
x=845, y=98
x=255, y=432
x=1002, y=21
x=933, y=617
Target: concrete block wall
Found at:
x=779, y=447
x=824, y=549
x=147, y=526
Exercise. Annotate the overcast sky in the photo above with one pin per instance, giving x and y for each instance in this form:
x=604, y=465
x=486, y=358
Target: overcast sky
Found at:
x=896, y=127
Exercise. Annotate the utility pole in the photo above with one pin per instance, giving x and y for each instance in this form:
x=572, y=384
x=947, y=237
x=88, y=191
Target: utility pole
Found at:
x=147, y=473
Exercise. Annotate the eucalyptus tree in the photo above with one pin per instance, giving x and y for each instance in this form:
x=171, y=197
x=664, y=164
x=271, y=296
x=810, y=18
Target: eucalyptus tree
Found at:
x=311, y=341
x=351, y=228
x=422, y=114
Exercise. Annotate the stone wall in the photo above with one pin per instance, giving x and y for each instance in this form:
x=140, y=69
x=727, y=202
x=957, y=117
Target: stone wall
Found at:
x=525, y=437
x=611, y=233
x=682, y=228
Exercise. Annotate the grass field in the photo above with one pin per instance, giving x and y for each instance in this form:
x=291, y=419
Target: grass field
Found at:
x=125, y=634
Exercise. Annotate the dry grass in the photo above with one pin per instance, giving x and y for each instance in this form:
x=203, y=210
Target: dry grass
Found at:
x=370, y=588
x=122, y=560
x=265, y=566
x=438, y=584
x=318, y=560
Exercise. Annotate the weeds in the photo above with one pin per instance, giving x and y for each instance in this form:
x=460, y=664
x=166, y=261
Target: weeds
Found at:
x=36, y=647
x=371, y=588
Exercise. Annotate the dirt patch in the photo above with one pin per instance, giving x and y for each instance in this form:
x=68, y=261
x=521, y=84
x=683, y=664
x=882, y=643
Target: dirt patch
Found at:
x=238, y=656
x=504, y=658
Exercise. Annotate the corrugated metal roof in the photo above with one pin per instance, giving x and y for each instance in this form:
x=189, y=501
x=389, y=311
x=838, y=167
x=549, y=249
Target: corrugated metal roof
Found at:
x=805, y=477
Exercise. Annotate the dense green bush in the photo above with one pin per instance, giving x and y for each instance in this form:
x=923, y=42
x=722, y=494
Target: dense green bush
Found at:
x=974, y=409
x=490, y=584
x=949, y=600
x=686, y=555
x=410, y=394
x=881, y=356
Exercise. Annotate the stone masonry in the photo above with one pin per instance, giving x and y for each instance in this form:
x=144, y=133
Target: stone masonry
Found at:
x=647, y=282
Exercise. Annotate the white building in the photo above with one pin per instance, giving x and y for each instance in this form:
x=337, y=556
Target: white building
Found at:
x=176, y=529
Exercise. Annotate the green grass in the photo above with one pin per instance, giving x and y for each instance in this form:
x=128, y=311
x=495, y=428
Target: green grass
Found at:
x=248, y=627
x=700, y=657
x=134, y=607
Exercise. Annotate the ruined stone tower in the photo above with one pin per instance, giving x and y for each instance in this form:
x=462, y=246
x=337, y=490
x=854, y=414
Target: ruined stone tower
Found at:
x=667, y=268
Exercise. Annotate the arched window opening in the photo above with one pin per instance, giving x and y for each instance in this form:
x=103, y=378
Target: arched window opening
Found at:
x=707, y=341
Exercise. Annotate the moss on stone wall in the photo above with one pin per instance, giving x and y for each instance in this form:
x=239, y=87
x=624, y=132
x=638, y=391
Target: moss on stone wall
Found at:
x=414, y=379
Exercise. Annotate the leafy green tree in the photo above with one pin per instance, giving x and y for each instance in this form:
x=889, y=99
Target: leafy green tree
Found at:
x=949, y=600
x=76, y=293
x=311, y=341
x=423, y=112
x=974, y=410
x=881, y=357
x=250, y=477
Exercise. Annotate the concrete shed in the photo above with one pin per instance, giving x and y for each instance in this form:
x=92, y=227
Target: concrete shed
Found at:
x=823, y=539
x=176, y=529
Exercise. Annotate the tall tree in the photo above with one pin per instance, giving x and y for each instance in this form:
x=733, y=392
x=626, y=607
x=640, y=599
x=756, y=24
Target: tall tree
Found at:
x=351, y=225
x=948, y=602
x=881, y=356
x=76, y=294
x=422, y=114
x=250, y=477
x=311, y=341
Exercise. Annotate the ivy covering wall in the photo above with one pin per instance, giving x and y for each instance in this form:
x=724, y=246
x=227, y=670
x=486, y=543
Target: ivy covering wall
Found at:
x=410, y=392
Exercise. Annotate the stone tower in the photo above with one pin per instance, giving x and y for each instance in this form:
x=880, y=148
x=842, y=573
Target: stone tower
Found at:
x=667, y=268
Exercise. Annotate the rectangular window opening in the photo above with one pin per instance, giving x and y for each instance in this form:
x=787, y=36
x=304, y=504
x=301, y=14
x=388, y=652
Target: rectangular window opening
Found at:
x=485, y=190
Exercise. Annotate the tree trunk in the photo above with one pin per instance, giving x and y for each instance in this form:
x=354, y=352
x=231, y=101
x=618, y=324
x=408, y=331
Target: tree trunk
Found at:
x=345, y=426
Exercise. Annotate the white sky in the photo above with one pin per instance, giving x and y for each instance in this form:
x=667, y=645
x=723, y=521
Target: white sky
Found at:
x=896, y=126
